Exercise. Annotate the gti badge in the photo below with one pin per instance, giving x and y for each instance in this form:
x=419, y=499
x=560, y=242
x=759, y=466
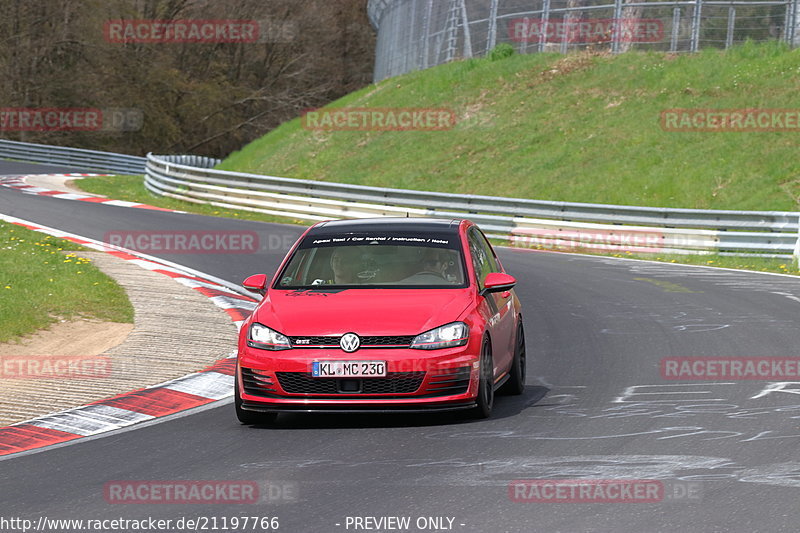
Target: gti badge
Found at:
x=349, y=342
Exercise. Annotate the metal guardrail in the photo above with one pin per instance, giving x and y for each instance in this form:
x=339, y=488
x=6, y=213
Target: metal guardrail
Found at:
x=77, y=158
x=525, y=223
x=528, y=223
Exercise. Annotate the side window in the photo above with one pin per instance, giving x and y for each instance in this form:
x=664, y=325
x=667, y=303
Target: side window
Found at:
x=494, y=264
x=298, y=264
x=482, y=258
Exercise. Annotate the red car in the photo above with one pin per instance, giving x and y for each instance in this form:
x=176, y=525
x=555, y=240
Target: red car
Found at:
x=377, y=315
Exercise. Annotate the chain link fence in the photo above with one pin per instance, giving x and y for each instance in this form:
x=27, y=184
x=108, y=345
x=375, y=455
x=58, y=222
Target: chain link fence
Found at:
x=417, y=34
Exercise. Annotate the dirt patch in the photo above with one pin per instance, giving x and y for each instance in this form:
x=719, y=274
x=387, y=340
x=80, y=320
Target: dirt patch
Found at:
x=569, y=64
x=57, y=183
x=77, y=337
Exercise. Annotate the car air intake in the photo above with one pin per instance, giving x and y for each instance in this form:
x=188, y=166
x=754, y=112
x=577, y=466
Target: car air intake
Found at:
x=393, y=383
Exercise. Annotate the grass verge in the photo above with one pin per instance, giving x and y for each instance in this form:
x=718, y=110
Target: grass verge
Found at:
x=757, y=264
x=40, y=284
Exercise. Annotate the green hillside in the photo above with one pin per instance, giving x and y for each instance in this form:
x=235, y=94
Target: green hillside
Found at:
x=583, y=127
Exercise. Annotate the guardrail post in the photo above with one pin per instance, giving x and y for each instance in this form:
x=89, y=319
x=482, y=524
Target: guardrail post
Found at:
x=796, y=253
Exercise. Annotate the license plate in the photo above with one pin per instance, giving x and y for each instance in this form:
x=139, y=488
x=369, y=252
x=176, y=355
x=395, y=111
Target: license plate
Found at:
x=348, y=369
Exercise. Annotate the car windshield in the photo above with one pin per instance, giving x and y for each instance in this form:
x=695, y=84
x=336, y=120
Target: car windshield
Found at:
x=375, y=261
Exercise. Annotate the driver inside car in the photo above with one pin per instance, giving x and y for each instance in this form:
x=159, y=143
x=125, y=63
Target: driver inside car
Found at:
x=344, y=263
x=431, y=267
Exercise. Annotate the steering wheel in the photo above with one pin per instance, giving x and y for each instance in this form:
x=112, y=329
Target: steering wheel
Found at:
x=432, y=273
x=366, y=275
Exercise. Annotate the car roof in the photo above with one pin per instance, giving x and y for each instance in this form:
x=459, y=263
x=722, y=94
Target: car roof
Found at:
x=388, y=224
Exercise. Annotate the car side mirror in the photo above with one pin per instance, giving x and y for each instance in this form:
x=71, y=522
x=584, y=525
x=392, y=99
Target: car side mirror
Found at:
x=498, y=282
x=256, y=283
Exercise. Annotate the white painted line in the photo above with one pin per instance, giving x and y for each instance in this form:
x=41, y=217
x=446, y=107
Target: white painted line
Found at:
x=71, y=196
x=121, y=203
x=211, y=385
x=195, y=284
x=90, y=420
x=232, y=303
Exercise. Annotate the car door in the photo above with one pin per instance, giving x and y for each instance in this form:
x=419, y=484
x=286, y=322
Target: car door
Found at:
x=500, y=307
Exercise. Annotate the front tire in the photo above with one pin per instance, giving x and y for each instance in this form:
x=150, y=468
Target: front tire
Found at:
x=516, y=382
x=485, y=398
x=249, y=418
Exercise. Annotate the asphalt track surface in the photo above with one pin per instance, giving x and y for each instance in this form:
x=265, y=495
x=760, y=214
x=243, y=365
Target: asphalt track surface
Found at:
x=595, y=407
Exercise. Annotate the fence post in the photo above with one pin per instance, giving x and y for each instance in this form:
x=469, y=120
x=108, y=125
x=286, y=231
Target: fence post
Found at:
x=415, y=64
x=676, y=26
x=787, y=21
x=545, y=23
x=731, y=23
x=617, y=26
x=698, y=7
x=467, y=31
x=492, y=41
x=426, y=34
x=451, y=31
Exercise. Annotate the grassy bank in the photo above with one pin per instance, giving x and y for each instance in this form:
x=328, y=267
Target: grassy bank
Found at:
x=583, y=128
x=44, y=279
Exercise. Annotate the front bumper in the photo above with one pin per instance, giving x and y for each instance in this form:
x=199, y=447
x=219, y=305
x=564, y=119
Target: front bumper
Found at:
x=416, y=381
x=356, y=409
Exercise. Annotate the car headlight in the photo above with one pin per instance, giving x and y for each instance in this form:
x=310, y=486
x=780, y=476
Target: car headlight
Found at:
x=260, y=336
x=447, y=336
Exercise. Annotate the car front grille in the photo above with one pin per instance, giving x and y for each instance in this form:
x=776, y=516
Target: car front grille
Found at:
x=443, y=383
x=393, y=383
x=396, y=341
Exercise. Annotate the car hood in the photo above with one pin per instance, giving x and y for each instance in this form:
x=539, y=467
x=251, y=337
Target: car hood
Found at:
x=361, y=311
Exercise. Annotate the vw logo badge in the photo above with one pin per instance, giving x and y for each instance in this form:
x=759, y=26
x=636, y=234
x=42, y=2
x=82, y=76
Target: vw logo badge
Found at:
x=349, y=342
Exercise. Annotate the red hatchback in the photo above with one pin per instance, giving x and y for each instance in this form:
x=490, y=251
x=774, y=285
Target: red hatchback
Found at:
x=378, y=315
